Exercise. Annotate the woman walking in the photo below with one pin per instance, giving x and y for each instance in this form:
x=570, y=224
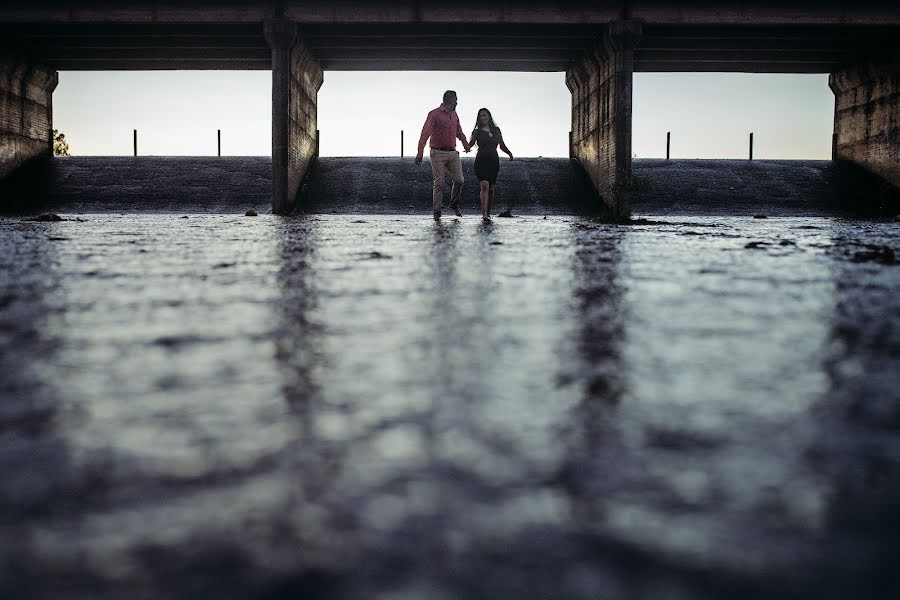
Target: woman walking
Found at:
x=487, y=162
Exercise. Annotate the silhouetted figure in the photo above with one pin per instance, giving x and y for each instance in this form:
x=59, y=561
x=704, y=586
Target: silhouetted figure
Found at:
x=442, y=126
x=487, y=162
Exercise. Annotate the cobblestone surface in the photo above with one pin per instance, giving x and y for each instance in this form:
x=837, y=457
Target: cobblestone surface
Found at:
x=344, y=406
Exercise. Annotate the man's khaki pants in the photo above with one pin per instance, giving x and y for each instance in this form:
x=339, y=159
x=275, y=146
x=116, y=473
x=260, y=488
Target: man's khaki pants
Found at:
x=440, y=160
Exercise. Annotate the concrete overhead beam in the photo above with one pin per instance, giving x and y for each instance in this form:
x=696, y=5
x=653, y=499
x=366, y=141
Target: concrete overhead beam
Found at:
x=155, y=64
x=416, y=46
x=787, y=68
x=517, y=66
x=464, y=12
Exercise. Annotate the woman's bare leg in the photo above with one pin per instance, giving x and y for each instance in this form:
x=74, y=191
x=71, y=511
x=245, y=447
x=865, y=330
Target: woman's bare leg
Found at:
x=485, y=199
x=490, y=201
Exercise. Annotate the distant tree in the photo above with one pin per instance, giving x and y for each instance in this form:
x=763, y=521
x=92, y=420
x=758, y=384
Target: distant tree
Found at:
x=60, y=145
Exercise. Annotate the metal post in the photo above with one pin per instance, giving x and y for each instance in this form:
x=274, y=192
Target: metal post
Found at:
x=135, y=142
x=220, y=141
x=401, y=143
x=317, y=143
x=751, y=145
x=571, y=152
x=668, y=143
x=834, y=143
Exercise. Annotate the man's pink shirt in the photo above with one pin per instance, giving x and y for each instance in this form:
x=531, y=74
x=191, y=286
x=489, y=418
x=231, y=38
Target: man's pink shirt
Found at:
x=443, y=128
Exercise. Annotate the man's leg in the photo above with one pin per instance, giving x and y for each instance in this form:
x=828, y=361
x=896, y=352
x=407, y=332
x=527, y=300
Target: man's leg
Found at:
x=455, y=167
x=438, y=163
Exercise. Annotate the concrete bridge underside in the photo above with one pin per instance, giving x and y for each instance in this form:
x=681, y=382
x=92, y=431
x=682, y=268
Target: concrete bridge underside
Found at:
x=599, y=45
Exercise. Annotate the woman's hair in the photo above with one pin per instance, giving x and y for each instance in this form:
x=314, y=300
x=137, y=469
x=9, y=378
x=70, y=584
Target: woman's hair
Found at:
x=491, y=124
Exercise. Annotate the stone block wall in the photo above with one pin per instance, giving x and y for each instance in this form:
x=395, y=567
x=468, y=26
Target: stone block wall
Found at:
x=296, y=78
x=306, y=79
x=867, y=116
x=26, y=112
x=582, y=83
x=601, y=87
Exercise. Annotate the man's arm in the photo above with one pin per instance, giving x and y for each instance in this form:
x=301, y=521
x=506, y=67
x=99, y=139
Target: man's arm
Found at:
x=462, y=137
x=427, y=129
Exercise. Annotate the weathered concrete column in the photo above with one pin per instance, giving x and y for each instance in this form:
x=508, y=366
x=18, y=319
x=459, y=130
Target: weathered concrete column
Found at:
x=867, y=116
x=296, y=79
x=26, y=112
x=581, y=81
x=601, y=85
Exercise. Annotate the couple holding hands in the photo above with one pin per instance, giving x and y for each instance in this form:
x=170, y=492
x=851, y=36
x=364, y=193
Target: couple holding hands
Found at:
x=442, y=126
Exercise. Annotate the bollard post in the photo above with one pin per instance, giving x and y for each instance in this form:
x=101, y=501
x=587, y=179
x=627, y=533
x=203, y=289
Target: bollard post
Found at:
x=668, y=143
x=401, y=143
x=751, y=145
x=135, y=142
x=220, y=141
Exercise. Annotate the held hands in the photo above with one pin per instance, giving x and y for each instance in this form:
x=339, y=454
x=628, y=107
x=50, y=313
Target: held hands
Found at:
x=418, y=159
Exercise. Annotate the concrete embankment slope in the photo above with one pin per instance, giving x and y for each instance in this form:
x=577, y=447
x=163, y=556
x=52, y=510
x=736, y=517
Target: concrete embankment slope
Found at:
x=235, y=184
x=143, y=184
x=396, y=185
x=559, y=186
x=390, y=185
x=774, y=187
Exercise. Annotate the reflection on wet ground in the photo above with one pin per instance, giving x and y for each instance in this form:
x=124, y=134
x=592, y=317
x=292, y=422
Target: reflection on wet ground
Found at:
x=389, y=407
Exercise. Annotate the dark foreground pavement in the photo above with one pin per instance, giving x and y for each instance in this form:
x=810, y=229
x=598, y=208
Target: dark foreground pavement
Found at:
x=345, y=407
x=199, y=404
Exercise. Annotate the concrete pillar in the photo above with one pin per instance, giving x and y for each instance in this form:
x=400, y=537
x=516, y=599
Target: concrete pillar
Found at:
x=867, y=116
x=601, y=86
x=26, y=112
x=296, y=79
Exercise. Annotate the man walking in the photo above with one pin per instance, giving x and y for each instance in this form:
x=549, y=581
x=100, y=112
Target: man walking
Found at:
x=442, y=126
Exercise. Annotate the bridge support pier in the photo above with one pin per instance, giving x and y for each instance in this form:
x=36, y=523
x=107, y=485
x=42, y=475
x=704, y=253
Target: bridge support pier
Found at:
x=296, y=79
x=26, y=112
x=867, y=116
x=601, y=87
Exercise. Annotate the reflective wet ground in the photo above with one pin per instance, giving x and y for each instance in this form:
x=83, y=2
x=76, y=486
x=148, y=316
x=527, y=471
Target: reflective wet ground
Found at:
x=388, y=407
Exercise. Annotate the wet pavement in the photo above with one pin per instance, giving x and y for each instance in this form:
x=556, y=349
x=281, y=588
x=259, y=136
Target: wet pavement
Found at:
x=347, y=406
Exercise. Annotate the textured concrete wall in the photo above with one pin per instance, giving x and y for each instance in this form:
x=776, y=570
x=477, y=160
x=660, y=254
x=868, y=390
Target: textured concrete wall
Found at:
x=306, y=79
x=867, y=116
x=26, y=112
x=601, y=87
x=296, y=79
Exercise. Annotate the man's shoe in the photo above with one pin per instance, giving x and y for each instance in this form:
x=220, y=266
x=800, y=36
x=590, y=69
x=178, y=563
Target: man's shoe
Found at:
x=456, y=210
x=437, y=215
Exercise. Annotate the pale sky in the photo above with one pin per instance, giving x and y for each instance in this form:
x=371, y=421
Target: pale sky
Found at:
x=362, y=113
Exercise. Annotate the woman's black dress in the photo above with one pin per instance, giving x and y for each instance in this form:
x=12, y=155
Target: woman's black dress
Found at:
x=487, y=162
